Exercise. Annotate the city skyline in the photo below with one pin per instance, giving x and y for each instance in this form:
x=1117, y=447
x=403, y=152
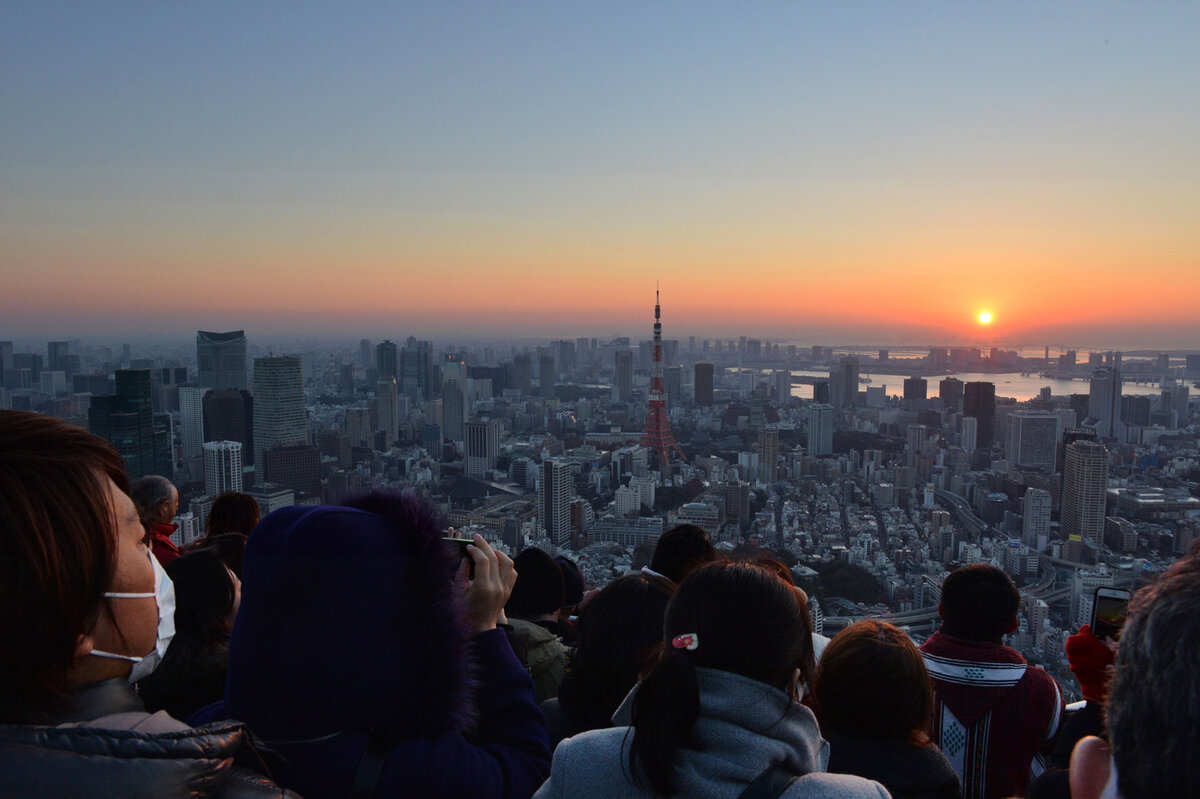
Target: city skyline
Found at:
x=822, y=173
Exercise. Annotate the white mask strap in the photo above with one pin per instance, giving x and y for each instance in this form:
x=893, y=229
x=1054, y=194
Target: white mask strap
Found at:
x=114, y=595
x=100, y=654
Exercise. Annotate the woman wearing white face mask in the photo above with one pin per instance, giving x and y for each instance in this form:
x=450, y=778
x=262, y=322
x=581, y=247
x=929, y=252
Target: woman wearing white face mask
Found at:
x=84, y=610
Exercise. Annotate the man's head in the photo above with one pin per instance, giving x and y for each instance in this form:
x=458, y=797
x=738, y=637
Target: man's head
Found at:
x=156, y=498
x=539, y=591
x=1154, y=702
x=680, y=550
x=979, y=603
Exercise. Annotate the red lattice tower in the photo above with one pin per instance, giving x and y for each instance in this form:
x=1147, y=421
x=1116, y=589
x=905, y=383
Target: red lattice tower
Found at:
x=657, y=433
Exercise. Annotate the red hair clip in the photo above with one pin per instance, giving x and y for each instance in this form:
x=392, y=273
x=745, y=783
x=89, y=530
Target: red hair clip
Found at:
x=687, y=641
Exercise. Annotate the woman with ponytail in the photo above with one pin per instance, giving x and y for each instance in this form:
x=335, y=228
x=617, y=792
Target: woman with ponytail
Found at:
x=718, y=715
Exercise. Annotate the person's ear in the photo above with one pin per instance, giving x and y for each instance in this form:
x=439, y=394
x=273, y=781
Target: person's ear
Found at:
x=940, y=614
x=84, y=644
x=1014, y=624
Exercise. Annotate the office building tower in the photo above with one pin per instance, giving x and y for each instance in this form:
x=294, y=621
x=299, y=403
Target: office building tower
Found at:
x=820, y=429
x=358, y=427
x=915, y=388
x=915, y=437
x=417, y=371
x=280, y=415
x=366, y=353
x=546, y=375
x=821, y=391
x=334, y=443
x=768, y=455
x=673, y=381
x=950, y=389
x=1035, y=521
x=191, y=420
x=229, y=416
x=623, y=376
x=969, y=440
x=297, y=467
x=656, y=434
x=979, y=402
x=221, y=359
x=522, y=374
x=126, y=419
x=481, y=447
x=1104, y=401
x=387, y=409
x=703, y=384
x=781, y=387
x=1032, y=440
x=555, y=492
x=387, y=359
x=56, y=355
x=843, y=383
x=222, y=467
x=453, y=410
x=1085, y=486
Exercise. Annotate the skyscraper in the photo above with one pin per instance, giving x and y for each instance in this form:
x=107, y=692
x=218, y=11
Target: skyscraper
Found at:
x=386, y=361
x=768, y=454
x=221, y=359
x=229, y=416
x=387, y=408
x=191, y=420
x=522, y=374
x=453, y=410
x=704, y=384
x=416, y=371
x=1085, y=485
x=623, y=375
x=950, y=389
x=979, y=402
x=820, y=429
x=843, y=382
x=781, y=387
x=1035, y=522
x=555, y=491
x=1032, y=439
x=970, y=434
x=657, y=433
x=546, y=375
x=915, y=388
x=222, y=467
x=280, y=415
x=481, y=446
x=1104, y=401
x=126, y=419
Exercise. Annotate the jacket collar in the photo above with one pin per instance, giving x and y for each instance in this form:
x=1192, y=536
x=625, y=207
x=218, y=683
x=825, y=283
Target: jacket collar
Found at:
x=102, y=698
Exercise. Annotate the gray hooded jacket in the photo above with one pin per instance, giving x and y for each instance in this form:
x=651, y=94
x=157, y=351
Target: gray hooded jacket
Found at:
x=744, y=727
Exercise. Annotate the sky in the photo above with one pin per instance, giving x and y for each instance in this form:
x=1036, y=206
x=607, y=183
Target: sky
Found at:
x=802, y=171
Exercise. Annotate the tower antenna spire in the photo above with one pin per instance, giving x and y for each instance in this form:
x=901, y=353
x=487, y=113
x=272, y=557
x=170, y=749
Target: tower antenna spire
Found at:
x=657, y=433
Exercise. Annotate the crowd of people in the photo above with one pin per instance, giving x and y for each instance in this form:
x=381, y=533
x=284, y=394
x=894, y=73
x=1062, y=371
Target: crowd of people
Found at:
x=351, y=651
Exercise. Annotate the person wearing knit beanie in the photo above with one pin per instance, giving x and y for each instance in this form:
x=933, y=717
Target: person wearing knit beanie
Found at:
x=533, y=610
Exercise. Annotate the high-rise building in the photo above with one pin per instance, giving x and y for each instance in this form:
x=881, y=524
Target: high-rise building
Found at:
x=1035, y=522
x=297, y=467
x=191, y=420
x=453, y=410
x=768, y=454
x=1085, y=485
x=781, y=387
x=57, y=353
x=334, y=443
x=481, y=446
x=555, y=491
x=386, y=360
x=1032, y=439
x=979, y=402
x=387, y=408
x=915, y=388
x=915, y=437
x=522, y=374
x=843, y=382
x=704, y=384
x=820, y=429
x=366, y=354
x=673, y=382
x=970, y=434
x=623, y=375
x=221, y=359
x=126, y=419
x=950, y=389
x=1104, y=401
x=358, y=427
x=280, y=415
x=546, y=375
x=222, y=467
x=229, y=416
x=417, y=371
x=656, y=434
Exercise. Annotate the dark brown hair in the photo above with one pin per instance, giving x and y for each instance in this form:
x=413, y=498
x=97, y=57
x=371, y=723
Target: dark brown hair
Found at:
x=58, y=545
x=232, y=512
x=872, y=684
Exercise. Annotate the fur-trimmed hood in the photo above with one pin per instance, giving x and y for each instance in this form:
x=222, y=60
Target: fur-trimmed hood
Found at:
x=350, y=621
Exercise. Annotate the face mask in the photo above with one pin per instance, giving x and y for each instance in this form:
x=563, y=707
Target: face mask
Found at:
x=164, y=595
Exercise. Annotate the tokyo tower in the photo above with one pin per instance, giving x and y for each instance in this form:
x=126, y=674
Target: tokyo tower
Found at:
x=657, y=434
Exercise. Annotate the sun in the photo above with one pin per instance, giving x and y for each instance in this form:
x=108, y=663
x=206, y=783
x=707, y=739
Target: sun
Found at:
x=985, y=318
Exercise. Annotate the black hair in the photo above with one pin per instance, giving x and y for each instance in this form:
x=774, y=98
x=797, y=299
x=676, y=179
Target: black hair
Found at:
x=979, y=603
x=232, y=512
x=193, y=671
x=746, y=621
x=539, y=587
x=620, y=632
x=1153, y=707
x=681, y=549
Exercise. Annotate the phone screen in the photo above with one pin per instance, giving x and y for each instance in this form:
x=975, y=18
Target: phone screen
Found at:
x=460, y=545
x=1109, y=616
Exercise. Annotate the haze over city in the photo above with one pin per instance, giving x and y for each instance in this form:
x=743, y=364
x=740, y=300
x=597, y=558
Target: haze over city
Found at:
x=837, y=173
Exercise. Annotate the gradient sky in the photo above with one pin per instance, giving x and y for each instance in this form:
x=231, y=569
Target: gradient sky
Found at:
x=841, y=171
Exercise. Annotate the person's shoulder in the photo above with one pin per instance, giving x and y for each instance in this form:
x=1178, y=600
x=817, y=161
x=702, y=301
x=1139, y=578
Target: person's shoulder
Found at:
x=822, y=785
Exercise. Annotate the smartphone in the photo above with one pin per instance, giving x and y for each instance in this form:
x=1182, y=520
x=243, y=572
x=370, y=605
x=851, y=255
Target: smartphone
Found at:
x=1108, y=613
x=460, y=545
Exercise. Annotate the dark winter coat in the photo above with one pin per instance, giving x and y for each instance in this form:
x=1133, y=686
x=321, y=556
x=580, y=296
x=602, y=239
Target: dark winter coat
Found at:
x=349, y=627
x=906, y=770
